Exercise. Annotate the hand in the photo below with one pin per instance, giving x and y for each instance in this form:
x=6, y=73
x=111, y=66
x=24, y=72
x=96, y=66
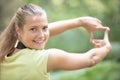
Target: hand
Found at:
x=101, y=43
x=91, y=24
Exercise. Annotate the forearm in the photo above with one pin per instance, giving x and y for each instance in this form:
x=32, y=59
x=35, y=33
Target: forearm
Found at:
x=89, y=23
x=61, y=26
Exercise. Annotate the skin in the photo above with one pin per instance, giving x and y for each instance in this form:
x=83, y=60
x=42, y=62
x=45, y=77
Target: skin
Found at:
x=35, y=35
x=73, y=61
x=89, y=23
x=35, y=32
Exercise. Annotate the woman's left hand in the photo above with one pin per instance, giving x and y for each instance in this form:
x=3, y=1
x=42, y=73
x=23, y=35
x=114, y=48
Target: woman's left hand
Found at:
x=91, y=24
x=98, y=43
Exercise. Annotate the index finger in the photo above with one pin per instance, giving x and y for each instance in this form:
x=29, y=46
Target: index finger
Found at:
x=100, y=27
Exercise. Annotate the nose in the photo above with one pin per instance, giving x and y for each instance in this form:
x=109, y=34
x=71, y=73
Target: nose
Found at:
x=41, y=35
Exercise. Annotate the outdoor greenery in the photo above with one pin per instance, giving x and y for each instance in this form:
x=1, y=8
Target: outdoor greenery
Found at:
x=103, y=71
x=77, y=40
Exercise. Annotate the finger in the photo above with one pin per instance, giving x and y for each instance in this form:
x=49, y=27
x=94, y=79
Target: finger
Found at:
x=91, y=36
x=98, y=41
x=106, y=33
x=97, y=45
x=100, y=27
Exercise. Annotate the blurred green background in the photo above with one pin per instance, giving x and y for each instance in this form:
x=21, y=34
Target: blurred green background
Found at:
x=77, y=40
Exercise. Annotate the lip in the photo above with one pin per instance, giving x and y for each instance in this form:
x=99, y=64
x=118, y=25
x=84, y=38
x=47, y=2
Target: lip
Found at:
x=38, y=42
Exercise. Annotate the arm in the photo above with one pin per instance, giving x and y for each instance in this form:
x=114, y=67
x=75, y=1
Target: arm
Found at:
x=89, y=23
x=59, y=59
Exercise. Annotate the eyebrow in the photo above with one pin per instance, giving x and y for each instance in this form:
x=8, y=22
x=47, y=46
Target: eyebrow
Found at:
x=45, y=26
x=39, y=26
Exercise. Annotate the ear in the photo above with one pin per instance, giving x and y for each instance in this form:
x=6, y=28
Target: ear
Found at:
x=17, y=29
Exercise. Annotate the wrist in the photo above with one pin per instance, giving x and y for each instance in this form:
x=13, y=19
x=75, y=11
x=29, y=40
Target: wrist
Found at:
x=80, y=21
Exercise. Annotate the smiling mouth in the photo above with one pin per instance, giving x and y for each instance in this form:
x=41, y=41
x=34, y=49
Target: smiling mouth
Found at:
x=38, y=42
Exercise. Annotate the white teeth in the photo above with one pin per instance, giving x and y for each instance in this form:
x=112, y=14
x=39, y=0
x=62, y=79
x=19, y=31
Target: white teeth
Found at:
x=38, y=42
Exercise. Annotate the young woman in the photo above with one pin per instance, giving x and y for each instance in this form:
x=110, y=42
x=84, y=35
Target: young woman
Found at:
x=22, y=53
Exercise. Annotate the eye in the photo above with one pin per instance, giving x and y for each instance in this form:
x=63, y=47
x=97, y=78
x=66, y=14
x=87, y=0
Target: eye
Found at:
x=33, y=29
x=45, y=28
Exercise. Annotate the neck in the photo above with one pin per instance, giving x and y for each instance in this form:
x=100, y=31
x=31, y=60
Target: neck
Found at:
x=20, y=45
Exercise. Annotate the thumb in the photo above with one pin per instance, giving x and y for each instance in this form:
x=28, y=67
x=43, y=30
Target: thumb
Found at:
x=106, y=34
x=91, y=36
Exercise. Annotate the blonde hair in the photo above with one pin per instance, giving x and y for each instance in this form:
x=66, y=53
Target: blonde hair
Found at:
x=9, y=36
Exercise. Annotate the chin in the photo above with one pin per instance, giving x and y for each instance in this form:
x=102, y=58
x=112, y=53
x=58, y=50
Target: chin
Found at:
x=39, y=48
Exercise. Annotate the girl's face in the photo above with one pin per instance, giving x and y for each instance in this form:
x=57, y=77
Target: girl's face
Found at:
x=35, y=32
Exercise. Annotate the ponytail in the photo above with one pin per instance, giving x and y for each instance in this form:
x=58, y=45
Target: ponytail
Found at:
x=7, y=40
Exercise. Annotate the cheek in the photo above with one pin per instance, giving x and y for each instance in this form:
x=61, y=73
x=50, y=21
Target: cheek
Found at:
x=47, y=35
x=27, y=38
